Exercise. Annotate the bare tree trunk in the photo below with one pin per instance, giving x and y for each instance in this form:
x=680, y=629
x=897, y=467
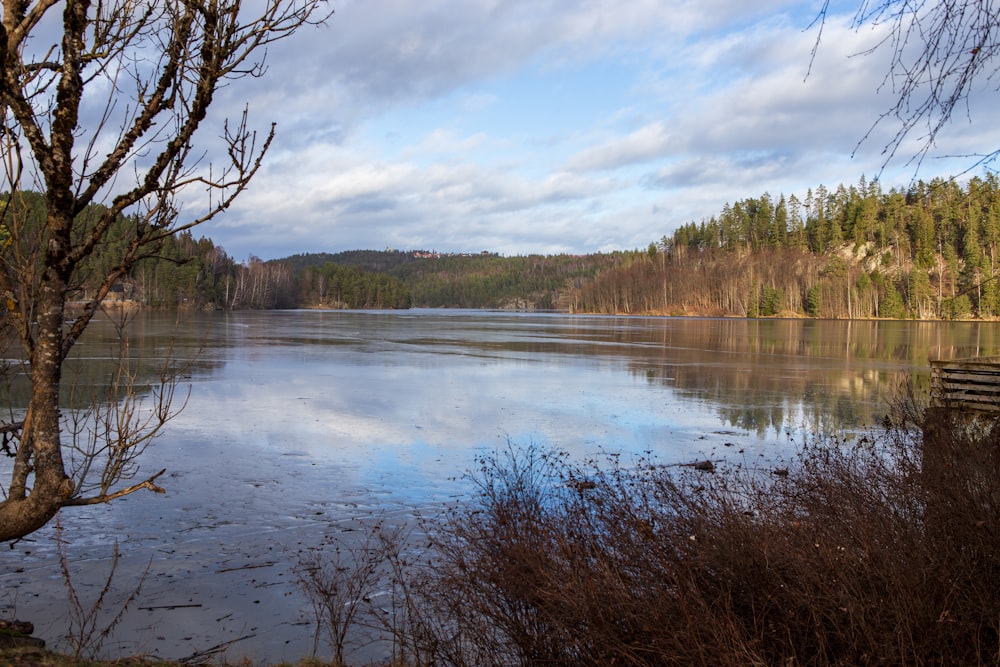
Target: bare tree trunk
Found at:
x=40, y=452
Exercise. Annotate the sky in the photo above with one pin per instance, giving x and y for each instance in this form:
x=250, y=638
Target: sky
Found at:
x=558, y=126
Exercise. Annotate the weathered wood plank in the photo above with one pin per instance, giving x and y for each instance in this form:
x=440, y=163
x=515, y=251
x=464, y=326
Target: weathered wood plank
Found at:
x=968, y=384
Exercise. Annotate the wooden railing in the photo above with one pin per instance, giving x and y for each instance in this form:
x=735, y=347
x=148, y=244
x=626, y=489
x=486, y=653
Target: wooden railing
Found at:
x=966, y=384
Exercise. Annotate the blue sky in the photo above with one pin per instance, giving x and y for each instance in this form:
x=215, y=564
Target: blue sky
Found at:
x=550, y=126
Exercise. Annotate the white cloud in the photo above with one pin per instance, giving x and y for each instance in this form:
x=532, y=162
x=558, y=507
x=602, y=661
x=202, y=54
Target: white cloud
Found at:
x=646, y=143
x=442, y=141
x=553, y=126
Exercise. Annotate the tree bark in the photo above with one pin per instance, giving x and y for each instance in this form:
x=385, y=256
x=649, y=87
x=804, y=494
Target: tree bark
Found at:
x=40, y=454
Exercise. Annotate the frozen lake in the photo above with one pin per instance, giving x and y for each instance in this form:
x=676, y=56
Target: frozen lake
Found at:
x=300, y=423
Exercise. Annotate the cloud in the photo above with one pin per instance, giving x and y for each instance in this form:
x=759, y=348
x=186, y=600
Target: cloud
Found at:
x=444, y=142
x=732, y=171
x=647, y=143
x=554, y=126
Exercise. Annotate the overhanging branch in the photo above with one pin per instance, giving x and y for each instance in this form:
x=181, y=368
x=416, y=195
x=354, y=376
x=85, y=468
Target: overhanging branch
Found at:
x=108, y=497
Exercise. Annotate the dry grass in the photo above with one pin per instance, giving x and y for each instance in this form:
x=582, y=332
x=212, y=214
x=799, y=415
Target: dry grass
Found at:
x=866, y=552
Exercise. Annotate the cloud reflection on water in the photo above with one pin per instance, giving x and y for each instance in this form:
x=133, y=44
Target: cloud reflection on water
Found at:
x=299, y=422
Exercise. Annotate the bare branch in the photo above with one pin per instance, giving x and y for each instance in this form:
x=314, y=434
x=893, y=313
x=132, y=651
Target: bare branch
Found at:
x=941, y=52
x=148, y=484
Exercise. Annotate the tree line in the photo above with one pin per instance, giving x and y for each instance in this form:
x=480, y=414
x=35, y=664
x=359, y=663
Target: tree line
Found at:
x=185, y=272
x=927, y=251
x=931, y=250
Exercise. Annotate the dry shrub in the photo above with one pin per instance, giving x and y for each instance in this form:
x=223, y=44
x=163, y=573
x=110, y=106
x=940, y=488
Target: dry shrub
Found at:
x=338, y=581
x=881, y=550
x=867, y=552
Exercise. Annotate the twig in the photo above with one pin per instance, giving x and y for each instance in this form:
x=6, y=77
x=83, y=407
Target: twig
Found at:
x=11, y=427
x=170, y=606
x=200, y=656
x=251, y=566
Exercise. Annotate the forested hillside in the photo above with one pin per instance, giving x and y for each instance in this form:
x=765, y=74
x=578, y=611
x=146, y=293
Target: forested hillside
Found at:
x=183, y=272
x=482, y=280
x=929, y=251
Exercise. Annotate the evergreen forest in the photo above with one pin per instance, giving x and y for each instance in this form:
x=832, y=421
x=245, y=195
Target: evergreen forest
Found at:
x=929, y=251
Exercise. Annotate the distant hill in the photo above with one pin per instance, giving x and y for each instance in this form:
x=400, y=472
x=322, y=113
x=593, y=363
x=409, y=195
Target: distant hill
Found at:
x=463, y=280
x=384, y=261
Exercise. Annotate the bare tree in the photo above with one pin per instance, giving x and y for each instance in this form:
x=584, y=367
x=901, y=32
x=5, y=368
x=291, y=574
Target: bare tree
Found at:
x=105, y=102
x=940, y=50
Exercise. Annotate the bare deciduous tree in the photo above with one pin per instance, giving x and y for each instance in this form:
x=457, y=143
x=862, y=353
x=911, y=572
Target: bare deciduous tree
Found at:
x=939, y=51
x=105, y=102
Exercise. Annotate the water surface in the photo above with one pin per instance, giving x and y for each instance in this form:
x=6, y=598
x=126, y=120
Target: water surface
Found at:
x=301, y=422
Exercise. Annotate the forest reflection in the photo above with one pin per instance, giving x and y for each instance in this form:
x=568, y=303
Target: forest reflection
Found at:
x=144, y=347
x=824, y=376
x=760, y=375
x=770, y=374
